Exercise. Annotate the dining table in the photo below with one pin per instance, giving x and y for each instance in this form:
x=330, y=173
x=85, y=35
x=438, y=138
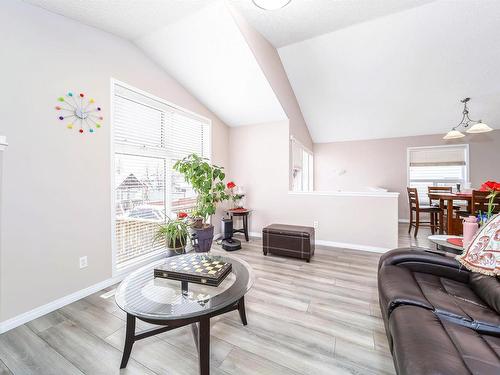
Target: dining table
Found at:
x=446, y=203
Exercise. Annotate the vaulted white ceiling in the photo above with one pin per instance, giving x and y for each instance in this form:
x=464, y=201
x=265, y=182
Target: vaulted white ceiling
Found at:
x=130, y=19
x=400, y=75
x=197, y=42
x=207, y=53
x=360, y=69
x=304, y=19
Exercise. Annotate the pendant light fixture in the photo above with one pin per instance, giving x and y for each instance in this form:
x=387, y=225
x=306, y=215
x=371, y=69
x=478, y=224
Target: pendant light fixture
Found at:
x=271, y=4
x=475, y=126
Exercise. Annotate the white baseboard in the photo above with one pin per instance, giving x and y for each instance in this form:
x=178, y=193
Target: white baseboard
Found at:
x=404, y=221
x=343, y=245
x=353, y=246
x=37, y=312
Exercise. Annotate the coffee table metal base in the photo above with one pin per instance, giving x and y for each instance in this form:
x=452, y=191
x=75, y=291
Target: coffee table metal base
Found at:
x=201, y=332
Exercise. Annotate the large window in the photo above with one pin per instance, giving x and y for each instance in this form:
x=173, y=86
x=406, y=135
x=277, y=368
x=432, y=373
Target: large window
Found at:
x=149, y=136
x=437, y=166
x=302, y=167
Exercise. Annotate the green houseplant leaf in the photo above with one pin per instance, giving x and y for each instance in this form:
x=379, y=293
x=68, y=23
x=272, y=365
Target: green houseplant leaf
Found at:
x=175, y=233
x=207, y=181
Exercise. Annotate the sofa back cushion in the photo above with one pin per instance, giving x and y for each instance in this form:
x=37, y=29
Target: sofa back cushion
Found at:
x=487, y=288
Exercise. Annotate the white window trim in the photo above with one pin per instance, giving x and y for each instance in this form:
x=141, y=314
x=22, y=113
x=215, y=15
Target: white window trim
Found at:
x=409, y=149
x=154, y=256
x=309, y=151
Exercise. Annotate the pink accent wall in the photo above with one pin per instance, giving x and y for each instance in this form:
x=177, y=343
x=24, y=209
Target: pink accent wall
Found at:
x=382, y=162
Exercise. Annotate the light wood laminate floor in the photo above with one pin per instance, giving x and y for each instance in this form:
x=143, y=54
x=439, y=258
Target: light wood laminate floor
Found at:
x=324, y=319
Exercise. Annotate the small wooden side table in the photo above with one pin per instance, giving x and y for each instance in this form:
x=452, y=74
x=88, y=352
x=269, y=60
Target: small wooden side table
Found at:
x=243, y=213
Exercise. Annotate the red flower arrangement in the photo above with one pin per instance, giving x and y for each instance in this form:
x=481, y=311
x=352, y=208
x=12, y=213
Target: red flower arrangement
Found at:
x=231, y=185
x=494, y=188
x=490, y=186
x=182, y=215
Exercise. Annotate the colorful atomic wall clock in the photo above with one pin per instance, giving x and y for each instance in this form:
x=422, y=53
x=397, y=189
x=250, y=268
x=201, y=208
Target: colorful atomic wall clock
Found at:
x=78, y=112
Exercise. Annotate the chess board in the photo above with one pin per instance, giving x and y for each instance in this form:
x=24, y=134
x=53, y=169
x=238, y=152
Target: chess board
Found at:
x=194, y=268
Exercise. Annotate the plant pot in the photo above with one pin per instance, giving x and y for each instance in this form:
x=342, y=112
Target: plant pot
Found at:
x=178, y=246
x=198, y=222
x=203, y=238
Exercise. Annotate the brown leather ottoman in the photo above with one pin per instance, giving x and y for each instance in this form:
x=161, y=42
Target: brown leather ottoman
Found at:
x=288, y=240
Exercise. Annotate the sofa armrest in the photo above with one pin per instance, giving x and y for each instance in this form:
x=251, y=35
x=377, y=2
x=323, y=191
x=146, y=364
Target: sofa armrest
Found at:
x=419, y=260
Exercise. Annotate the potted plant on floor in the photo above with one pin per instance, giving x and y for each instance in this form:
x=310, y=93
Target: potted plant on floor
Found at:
x=207, y=180
x=175, y=233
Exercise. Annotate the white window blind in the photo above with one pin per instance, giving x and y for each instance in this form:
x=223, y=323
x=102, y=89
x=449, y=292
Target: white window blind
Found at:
x=437, y=156
x=149, y=136
x=302, y=167
x=437, y=166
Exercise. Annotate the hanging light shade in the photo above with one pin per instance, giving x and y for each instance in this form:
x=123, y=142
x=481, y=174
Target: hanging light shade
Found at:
x=453, y=134
x=271, y=4
x=480, y=127
x=475, y=125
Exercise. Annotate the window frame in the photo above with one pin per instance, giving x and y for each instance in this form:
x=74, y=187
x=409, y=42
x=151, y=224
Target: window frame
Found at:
x=310, y=167
x=118, y=272
x=466, y=150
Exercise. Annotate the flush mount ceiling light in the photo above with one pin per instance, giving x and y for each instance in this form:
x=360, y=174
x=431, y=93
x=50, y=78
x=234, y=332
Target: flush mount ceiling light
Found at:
x=475, y=126
x=271, y=4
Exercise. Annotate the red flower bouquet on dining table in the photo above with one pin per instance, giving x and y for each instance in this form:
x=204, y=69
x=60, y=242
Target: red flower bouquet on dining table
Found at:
x=493, y=188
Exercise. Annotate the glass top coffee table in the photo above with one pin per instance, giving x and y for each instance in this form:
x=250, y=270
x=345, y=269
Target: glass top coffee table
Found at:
x=175, y=304
x=443, y=245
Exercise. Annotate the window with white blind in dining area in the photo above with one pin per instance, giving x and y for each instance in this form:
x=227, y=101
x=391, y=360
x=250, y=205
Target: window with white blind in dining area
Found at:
x=437, y=166
x=149, y=136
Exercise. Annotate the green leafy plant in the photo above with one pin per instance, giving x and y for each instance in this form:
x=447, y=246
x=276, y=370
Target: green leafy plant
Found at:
x=174, y=232
x=207, y=181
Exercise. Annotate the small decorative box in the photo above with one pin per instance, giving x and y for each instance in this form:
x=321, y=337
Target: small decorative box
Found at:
x=193, y=268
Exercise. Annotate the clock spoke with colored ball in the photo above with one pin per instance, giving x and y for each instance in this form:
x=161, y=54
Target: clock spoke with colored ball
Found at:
x=80, y=111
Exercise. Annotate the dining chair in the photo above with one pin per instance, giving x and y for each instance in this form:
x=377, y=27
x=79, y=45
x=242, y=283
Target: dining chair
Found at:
x=438, y=190
x=416, y=208
x=480, y=202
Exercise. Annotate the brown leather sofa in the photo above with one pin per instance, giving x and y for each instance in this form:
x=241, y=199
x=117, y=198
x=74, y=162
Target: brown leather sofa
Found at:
x=440, y=319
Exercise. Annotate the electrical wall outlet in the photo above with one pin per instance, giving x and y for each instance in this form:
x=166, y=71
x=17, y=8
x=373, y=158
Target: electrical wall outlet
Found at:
x=83, y=262
x=315, y=225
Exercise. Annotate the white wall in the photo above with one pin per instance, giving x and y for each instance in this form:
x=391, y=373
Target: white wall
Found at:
x=259, y=159
x=2, y=149
x=56, y=191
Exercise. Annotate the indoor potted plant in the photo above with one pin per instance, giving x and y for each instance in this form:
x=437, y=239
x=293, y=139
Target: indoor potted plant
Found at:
x=207, y=180
x=175, y=233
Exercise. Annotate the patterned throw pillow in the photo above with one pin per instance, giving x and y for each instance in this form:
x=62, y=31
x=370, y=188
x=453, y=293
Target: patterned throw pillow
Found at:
x=483, y=253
